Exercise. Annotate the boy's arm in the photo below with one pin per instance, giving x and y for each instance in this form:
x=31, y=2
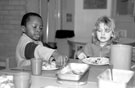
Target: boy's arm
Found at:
x=38, y=51
x=85, y=52
x=61, y=60
x=33, y=50
x=24, y=63
x=29, y=50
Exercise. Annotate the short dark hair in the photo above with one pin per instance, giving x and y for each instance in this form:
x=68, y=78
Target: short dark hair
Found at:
x=27, y=16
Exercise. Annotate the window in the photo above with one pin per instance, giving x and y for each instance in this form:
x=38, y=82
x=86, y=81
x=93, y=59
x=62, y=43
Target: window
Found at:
x=95, y=4
x=125, y=7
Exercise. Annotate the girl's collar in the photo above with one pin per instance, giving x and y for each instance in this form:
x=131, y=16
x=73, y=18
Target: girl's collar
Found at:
x=107, y=44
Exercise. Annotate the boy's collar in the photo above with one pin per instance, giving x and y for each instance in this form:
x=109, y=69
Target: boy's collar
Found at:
x=29, y=37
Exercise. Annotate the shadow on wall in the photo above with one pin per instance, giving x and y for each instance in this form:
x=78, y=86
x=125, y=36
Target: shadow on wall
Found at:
x=61, y=34
x=61, y=40
x=64, y=33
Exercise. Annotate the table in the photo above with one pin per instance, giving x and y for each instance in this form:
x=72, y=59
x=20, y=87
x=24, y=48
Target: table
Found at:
x=128, y=41
x=48, y=78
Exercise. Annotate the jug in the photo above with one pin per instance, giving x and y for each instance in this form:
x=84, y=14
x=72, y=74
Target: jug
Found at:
x=121, y=56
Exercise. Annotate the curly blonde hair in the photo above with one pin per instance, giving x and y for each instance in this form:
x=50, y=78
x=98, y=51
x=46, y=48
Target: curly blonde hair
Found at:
x=107, y=21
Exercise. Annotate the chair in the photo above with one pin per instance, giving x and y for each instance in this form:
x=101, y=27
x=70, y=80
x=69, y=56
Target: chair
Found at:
x=7, y=62
x=121, y=33
x=4, y=63
x=74, y=47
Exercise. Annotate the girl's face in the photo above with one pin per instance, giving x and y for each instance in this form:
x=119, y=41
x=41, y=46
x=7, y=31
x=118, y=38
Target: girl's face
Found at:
x=104, y=33
x=34, y=27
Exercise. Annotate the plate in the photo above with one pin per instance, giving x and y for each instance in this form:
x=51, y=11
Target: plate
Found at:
x=96, y=60
x=47, y=66
x=6, y=81
x=52, y=87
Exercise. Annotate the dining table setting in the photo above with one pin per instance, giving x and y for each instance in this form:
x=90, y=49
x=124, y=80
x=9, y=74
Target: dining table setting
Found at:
x=76, y=74
x=90, y=72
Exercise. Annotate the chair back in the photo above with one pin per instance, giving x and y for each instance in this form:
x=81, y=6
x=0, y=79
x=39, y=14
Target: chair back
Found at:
x=121, y=33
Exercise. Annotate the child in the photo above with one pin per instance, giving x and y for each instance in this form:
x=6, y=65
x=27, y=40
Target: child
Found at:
x=102, y=38
x=30, y=45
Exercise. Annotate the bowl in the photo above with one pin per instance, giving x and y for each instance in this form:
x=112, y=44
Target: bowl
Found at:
x=73, y=71
x=120, y=78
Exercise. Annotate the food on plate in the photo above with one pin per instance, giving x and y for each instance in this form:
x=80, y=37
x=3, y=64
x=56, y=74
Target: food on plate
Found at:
x=52, y=87
x=6, y=81
x=96, y=60
x=47, y=66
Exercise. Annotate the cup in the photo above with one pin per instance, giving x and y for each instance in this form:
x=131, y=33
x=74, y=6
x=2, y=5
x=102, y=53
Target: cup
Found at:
x=36, y=66
x=22, y=80
x=121, y=56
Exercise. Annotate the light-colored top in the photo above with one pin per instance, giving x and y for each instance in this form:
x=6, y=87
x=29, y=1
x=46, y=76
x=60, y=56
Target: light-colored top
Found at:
x=39, y=52
x=94, y=50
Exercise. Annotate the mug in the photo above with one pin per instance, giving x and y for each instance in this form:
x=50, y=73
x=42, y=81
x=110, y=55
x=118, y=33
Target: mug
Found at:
x=36, y=66
x=22, y=80
x=121, y=56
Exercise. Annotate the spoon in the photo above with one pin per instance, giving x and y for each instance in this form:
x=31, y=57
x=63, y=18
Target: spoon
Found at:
x=111, y=70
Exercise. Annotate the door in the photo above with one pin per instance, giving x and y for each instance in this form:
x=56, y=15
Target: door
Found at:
x=123, y=14
x=50, y=11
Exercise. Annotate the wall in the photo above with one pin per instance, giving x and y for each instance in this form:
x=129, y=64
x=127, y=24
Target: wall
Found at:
x=32, y=5
x=58, y=11
x=11, y=12
x=124, y=22
x=85, y=18
x=68, y=8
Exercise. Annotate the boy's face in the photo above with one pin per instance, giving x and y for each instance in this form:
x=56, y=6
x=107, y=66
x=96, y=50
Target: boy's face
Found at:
x=34, y=27
x=104, y=33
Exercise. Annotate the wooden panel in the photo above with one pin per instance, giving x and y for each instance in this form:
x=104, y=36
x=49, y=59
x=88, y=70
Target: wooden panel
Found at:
x=95, y=4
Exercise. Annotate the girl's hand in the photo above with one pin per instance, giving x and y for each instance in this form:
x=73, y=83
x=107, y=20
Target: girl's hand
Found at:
x=82, y=56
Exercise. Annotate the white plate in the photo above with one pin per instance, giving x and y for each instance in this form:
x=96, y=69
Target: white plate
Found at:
x=49, y=68
x=96, y=60
x=52, y=87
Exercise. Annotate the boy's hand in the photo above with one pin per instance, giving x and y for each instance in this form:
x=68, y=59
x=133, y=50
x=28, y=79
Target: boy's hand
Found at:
x=61, y=60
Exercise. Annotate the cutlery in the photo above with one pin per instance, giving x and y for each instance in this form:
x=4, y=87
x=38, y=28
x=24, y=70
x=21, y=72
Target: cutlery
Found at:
x=111, y=70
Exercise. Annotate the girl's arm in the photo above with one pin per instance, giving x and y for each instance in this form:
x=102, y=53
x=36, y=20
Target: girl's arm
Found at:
x=85, y=52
